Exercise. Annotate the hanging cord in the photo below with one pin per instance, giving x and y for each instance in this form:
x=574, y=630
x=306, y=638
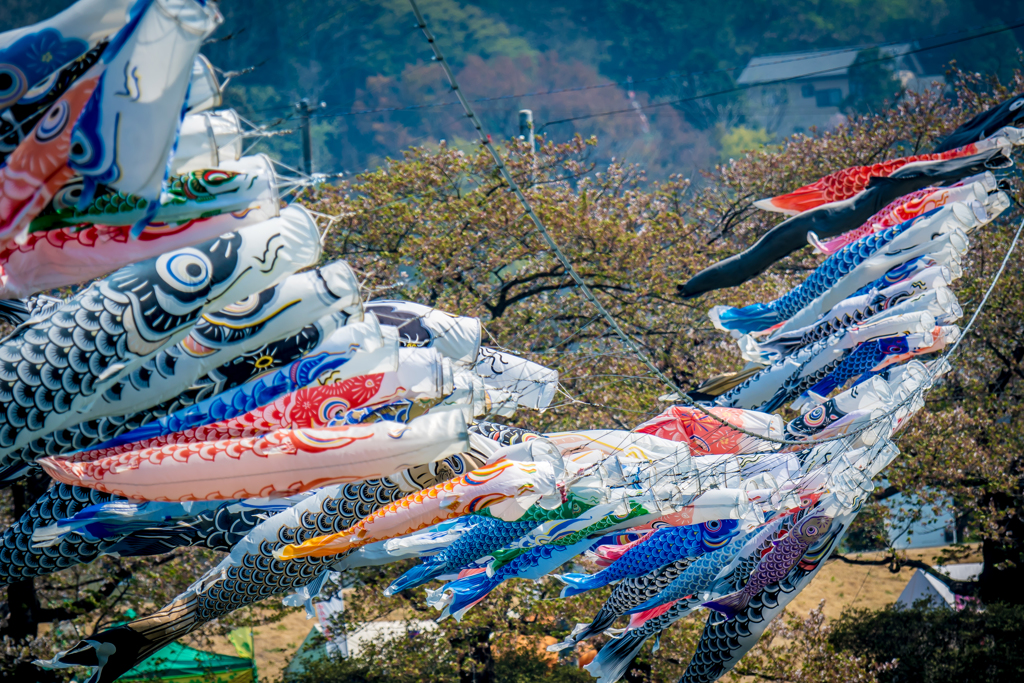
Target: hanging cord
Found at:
x=589, y=295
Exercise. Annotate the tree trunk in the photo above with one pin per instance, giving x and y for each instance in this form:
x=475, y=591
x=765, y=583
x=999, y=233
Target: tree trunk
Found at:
x=23, y=606
x=22, y=602
x=478, y=667
x=22, y=611
x=1003, y=574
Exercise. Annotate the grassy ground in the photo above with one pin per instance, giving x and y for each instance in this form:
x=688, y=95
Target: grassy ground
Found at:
x=874, y=587
x=275, y=644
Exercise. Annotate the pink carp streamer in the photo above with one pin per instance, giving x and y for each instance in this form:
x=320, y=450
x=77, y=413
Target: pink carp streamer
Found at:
x=283, y=462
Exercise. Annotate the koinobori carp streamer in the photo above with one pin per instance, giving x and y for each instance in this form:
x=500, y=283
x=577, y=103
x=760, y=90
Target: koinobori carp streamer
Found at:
x=204, y=392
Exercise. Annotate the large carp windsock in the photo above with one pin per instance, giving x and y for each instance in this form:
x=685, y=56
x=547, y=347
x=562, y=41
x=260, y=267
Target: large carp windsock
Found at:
x=54, y=369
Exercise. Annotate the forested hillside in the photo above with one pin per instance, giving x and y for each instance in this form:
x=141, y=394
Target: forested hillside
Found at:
x=359, y=55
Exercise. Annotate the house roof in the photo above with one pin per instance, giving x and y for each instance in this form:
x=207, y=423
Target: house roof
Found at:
x=810, y=64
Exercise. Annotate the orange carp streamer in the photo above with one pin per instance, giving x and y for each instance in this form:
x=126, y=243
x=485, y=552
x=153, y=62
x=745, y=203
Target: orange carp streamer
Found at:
x=707, y=436
x=506, y=487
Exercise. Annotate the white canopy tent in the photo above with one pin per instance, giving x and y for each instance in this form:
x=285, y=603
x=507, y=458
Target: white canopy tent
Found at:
x=924, y=586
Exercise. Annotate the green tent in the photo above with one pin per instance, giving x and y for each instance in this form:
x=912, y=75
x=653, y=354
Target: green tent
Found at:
x=178, y=663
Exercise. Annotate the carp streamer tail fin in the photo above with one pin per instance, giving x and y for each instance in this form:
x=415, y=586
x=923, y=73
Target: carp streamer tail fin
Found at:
x=604, y=618
x=115, y=651
x=729, y=605
x=417, y=576
x=578, y=583
x=795, y=202
x=14, y=311
x=614, y=658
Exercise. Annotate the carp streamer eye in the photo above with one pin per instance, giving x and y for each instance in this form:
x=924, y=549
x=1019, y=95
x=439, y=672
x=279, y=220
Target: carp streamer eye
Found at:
x=186, y=270
x=815, y=417
x=67, y=197
x=54, y=122
x=247, y=305
x=12, y=84
x=82, y=151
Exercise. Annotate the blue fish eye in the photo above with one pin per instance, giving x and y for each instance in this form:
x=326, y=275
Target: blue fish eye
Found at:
x=13, y=84
x=53, y=122
x=186, y=270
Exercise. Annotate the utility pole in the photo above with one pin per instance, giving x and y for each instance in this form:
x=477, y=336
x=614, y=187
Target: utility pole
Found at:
x=526, y=128
x=302, y=106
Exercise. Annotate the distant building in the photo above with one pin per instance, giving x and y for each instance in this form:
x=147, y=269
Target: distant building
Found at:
x=913, y=524
x=795, y=91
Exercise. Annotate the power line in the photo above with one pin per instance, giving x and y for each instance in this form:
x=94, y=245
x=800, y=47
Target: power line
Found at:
x=776, y=81
x=989, y=29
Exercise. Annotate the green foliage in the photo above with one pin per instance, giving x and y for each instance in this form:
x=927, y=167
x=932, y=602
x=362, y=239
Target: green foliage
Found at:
x=935, y=645
x=368, y=56
x=412, y=658
x=406, y=658
x=524, y=665
x=364, y=55
x=739, y=140
x=798, y=650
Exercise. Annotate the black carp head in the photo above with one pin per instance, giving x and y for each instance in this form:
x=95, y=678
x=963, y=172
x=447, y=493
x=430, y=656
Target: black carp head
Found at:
x=167, y=293
x=236, y=322
x=297, y=301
